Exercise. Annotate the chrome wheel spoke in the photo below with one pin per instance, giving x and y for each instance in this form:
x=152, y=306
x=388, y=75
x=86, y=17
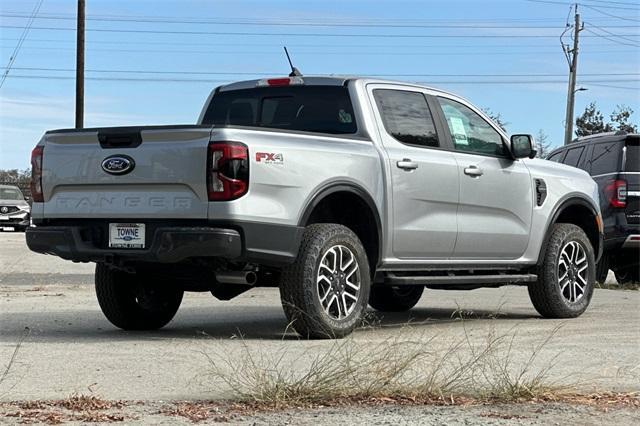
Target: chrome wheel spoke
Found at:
x=572, y=270
x=338, y=282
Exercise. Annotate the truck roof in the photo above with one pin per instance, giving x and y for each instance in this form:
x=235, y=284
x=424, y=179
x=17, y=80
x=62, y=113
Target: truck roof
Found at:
x=330, y=80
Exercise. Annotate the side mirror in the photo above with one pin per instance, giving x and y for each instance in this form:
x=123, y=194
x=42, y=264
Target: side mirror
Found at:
x=522, y=146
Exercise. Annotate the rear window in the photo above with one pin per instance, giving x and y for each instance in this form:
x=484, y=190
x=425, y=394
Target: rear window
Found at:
x=320, y=109
x=605, y=158
x=632, y=163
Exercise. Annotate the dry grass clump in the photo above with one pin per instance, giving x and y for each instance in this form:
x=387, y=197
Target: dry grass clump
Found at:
x=401, y=367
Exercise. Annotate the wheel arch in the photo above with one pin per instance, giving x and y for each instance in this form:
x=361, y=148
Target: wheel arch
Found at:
x=581, y=212
x=334, y=192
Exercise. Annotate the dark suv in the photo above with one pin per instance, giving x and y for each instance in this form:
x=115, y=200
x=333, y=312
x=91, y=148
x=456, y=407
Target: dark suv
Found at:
x=613, y=161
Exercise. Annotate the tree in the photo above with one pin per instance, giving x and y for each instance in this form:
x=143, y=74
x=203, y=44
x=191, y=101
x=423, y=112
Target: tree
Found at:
x=591, y=122
x=543, y=146
x=496, y=118
x=620, y=119
x=19, y=178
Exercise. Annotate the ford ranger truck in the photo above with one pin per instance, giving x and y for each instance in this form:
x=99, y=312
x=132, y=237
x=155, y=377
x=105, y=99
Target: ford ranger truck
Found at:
x=341, y=192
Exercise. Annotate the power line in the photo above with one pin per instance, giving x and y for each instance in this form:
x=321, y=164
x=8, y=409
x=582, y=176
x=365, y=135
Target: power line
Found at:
x=320, y=52
x=303, y=21
x=631, y=42
x=613, y=40
x=347, y=73
x=579, y=3
x=614, y=3
x=23, y=36
x=599, y=10
x=243, y=33
x=496, y=82
x=296, y=23
x=614, y=86
x=377, y=46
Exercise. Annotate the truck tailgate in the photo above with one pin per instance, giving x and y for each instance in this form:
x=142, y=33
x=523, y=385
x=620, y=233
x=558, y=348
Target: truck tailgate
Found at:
x=167, y=180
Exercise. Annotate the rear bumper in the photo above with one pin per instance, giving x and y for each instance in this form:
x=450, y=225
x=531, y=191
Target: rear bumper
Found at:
x=168, y=244
x=85, y=241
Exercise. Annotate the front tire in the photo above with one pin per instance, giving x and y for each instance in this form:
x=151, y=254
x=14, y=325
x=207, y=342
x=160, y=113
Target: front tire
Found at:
x=325, y=291
x=131, y=302
x=395, y=299
x=566, y=277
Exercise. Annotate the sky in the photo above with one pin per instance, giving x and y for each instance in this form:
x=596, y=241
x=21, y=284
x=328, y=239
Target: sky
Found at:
x=155, y=61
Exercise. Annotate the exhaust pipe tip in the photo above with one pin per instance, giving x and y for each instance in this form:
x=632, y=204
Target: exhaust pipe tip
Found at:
x=237, y=277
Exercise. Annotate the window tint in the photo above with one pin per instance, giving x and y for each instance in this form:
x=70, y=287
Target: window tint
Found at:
x=557, y=157
x=633, y=155
x=469, y=131
x=321, y=109
x=573, y=156
x=605, y=158
x=406, y=116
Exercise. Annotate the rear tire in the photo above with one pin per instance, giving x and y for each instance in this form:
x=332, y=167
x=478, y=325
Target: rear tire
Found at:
x=325, y=291
x=566, y=278
x=628, y=275
x=395, y=299
x=132, y=303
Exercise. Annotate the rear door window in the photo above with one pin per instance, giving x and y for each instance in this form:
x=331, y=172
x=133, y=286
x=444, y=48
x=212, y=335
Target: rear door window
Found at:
x=605, y=158
x=573, y=156
x=407, y=117
x=319, y=109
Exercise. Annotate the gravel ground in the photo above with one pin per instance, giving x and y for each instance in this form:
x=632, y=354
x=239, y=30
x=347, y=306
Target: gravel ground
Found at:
x=69, y=348
x=495, y=414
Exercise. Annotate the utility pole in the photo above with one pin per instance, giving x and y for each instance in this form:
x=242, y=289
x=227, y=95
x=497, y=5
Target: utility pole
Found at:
x=80, y=66
x=572, y=58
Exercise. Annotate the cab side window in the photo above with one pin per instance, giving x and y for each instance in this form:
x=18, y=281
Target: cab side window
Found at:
x=470, y=132
x=407, y=117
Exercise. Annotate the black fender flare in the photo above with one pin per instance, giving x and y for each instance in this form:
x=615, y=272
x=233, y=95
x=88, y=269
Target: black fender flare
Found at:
x=561, y=207
x=343, y=186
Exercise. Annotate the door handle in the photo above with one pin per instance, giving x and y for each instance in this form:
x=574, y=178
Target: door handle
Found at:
x=473, y=171
x=407, y=164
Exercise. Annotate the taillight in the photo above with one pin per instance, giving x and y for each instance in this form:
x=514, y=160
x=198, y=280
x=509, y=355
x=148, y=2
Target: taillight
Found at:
x=616, y=192
x=36, y=174
x=227, y=170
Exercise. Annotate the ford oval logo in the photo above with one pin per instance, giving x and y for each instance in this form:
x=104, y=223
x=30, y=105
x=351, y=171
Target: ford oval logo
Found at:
x=118, y=164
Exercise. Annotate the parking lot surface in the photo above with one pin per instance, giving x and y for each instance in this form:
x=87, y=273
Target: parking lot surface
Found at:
x=48, y=308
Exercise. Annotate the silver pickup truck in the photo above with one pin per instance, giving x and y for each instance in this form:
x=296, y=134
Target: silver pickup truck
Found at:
x=342, y=192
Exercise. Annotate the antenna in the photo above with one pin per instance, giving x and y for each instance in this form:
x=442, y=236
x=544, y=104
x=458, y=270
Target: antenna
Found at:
x=294, y=71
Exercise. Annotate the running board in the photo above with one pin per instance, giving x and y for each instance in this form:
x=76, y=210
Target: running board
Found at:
x=392, y=278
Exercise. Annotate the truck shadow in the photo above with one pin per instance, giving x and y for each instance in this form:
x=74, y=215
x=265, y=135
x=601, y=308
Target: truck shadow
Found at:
x=238, y=322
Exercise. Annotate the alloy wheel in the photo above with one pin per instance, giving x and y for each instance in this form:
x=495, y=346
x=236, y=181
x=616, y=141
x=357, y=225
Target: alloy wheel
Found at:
x=338, y=282
x=572, y=271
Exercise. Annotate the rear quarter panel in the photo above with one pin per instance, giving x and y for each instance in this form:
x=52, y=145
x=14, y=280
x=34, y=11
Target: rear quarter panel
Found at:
x=280, y=190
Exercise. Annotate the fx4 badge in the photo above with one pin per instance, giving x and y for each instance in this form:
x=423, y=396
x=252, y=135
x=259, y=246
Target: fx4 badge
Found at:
x=269, y=158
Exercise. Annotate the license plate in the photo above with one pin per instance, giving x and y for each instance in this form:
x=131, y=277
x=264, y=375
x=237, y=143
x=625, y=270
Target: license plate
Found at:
x=126, y=235
x=4, y=217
